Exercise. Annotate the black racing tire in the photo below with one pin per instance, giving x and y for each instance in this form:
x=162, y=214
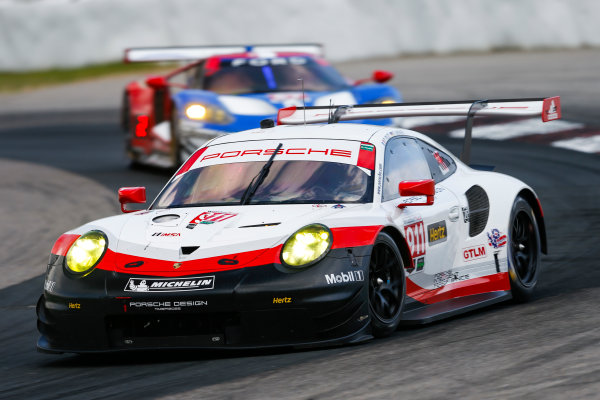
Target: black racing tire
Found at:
x=524, y=250
x=387, y=286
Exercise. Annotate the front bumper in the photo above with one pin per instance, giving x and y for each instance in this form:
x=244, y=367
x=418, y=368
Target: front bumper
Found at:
x=260, y=306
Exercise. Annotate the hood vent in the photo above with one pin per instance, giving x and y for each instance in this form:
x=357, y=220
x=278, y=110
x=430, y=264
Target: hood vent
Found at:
x=165, y=218
x=479, y=209
x=259, y=225
x=186, y=250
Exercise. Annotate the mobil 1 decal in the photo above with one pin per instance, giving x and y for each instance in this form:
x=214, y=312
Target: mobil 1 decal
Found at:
x=414, y=232
x=436, y=233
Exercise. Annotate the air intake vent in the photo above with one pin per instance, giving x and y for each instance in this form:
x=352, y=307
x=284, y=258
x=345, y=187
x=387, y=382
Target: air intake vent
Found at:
x=479, y=210
x=189, y=250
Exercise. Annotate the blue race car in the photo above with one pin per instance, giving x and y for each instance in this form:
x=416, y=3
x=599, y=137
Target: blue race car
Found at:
x=228, y=89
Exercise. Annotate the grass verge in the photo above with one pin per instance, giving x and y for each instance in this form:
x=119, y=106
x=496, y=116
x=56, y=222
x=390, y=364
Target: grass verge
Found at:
x=16, y=81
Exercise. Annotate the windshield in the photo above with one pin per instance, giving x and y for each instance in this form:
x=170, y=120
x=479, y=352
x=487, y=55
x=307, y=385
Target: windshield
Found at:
x=256, y=75
x=294, y=182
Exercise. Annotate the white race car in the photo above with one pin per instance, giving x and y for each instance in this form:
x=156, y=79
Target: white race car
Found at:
x=298, y=236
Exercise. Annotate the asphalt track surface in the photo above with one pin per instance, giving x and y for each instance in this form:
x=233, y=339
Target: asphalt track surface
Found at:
x=547, y=348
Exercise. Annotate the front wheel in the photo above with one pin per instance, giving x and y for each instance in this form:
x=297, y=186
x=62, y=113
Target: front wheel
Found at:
x=387, y=286
x=524, y=251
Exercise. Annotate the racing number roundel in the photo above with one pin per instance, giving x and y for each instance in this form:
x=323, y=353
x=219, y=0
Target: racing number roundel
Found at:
x=415, y=238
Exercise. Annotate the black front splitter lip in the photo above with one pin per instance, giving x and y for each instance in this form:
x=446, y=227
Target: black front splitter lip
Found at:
x=360, y=336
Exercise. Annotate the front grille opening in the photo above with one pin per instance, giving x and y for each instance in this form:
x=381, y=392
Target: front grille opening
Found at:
x=186, y=250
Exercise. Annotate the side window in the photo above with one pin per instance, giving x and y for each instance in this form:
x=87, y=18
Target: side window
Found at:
x=440, y=163
x=404, y=161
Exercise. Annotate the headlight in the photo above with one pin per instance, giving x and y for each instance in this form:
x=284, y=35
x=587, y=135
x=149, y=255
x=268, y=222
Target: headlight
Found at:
x=85, y=252
x=307, y=246
x=385, y=100
x=213, y=114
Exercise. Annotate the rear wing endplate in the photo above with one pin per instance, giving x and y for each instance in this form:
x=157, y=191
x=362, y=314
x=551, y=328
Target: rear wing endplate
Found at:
x=547, y=108
x=191, y=53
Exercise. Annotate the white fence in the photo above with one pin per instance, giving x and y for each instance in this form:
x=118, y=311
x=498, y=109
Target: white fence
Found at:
x=40, y=34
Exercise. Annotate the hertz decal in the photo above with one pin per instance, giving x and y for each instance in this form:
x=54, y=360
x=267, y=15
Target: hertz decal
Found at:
x=437, y=233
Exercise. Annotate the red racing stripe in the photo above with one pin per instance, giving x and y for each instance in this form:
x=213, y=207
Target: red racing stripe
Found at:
x=112, y=261
x=63, y=244
x=484, y=284
x=354, y=236
x=188, y=164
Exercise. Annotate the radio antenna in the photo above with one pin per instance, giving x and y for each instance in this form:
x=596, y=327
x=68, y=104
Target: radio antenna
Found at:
x=303, y=103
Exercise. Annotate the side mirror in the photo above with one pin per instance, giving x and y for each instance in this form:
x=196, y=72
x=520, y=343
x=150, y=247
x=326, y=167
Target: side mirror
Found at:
x=425, y=187
x=157, y=82
x=380, y=76
x=130, y=195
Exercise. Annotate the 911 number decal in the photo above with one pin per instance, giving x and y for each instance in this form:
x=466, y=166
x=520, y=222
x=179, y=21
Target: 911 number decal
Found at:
x=415, y=238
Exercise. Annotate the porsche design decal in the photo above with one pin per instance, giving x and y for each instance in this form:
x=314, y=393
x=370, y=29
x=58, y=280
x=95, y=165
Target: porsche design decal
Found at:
x=170, y=284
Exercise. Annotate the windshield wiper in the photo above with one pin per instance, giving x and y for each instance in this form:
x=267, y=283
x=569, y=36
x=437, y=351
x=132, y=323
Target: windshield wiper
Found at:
x=260, y=177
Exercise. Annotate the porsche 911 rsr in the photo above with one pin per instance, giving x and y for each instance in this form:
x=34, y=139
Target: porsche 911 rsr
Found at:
x=299, y=236
x=228, y=89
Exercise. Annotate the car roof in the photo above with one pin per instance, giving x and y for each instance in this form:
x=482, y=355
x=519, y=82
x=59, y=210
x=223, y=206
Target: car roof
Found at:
x=358, y=132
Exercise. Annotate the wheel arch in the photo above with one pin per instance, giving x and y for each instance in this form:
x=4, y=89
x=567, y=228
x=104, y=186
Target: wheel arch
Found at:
x=401, y=243
x=536, y=206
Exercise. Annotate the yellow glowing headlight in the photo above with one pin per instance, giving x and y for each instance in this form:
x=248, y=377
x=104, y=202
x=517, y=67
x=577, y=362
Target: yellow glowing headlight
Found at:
x=385, y=100
x=307, y=246
x=85, y=252
x=195, y=111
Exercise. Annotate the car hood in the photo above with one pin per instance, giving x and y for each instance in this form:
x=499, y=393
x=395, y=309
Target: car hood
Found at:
x=215, y=238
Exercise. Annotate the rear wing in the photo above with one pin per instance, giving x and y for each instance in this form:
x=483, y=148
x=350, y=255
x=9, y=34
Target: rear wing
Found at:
x=191, y=53
x=547, y=108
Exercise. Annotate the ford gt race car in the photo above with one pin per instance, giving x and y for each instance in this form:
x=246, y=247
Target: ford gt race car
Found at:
x=228, y=89
x=300, y=235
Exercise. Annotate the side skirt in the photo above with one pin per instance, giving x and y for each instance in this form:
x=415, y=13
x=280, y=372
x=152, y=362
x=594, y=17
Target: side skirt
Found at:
x=432, y=312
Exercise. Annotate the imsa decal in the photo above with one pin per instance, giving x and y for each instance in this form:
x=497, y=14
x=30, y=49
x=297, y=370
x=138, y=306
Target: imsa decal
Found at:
x=170, y=284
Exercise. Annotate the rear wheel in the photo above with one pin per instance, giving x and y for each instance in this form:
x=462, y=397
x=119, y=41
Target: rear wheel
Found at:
x=524, y=251
x=387, y=286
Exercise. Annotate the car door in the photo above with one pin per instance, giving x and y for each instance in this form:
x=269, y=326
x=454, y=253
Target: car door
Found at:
x=430, y=231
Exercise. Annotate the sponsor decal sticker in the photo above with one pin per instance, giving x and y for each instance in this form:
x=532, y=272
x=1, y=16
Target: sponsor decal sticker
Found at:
x=167, y=234
x=366, y=146
x=167, y=305
x=319, y=205
x=338, y=206
x=496, y=239
x=344, y=277
x=170, y=284
x=474, y=252
x=441, y=163
x=419, y=263
x=415, y=238
x=210, y=217
x=437, y=233
x=74, y=306
x=445, y=277
x=465, y=211
x=227, y=261
x=281, y=300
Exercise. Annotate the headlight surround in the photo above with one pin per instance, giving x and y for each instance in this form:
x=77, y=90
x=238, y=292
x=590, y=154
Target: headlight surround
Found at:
x=86, y=252
x=207, y=113
x=306, y=246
